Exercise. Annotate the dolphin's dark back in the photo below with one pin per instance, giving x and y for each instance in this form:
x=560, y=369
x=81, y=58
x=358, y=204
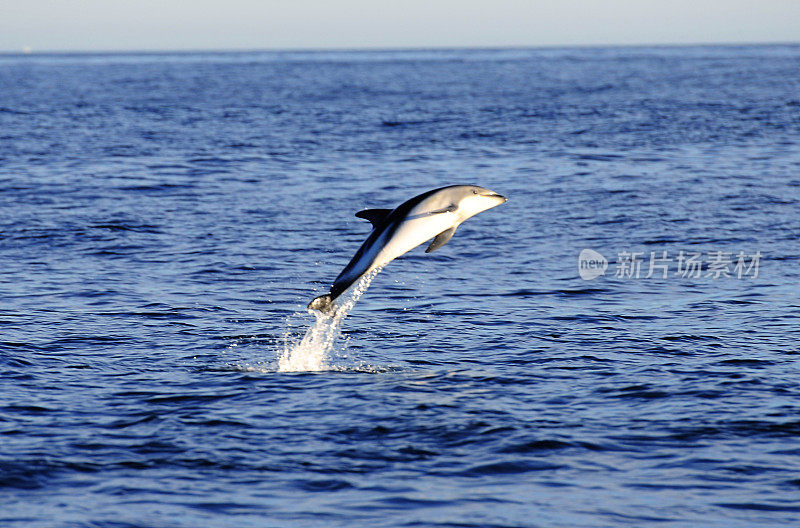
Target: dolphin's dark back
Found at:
x=385, y=230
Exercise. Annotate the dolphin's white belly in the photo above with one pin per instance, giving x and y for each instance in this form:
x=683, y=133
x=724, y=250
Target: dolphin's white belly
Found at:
x=413, y=232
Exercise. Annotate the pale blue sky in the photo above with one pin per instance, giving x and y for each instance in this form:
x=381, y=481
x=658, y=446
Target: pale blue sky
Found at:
x=303, y=24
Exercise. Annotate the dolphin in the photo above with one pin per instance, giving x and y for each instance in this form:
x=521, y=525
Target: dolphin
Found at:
x=435, y=214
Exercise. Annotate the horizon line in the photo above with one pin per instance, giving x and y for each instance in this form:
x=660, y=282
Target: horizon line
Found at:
x=28, y=51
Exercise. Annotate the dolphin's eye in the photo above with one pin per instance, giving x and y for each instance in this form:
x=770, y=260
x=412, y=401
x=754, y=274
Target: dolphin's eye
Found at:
x=474, y=191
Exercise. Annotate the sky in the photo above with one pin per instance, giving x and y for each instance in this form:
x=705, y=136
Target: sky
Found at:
x=108, y=25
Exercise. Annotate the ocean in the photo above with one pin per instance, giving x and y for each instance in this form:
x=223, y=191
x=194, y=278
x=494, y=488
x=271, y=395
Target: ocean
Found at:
x=616, y=346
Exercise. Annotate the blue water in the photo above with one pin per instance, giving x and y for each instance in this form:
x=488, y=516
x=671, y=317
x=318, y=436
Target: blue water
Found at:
x=165, y=218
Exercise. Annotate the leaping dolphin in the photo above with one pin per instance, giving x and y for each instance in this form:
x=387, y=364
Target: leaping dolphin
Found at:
x=436, y=213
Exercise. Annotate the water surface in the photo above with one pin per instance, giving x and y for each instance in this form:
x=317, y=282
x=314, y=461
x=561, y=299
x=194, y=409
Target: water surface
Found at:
x=165, y=218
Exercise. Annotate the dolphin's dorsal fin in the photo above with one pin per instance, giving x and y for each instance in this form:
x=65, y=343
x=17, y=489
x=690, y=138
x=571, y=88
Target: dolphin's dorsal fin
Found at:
x=441, y=239
x=375, y=216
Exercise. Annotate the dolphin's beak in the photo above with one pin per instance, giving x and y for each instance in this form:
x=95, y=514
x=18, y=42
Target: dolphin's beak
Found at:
x=495, y=195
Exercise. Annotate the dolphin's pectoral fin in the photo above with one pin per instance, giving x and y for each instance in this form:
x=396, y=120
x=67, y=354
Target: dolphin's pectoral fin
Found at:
x=441, y=239
x=375, y=216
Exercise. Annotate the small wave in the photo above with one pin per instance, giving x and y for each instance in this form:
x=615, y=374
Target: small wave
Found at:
x=582, y=291
x=597, y=157
x=536, y=445
x=509, y=468
x=747, y=362
x=269, y=368
x=181, y=399
x=761, y=506
x=326, y=485
x=140, y=228
x=689, y=337
x=390, y=123
x=227, y=508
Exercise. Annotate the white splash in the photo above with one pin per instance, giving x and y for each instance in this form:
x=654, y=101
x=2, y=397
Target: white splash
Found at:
x=313, y=352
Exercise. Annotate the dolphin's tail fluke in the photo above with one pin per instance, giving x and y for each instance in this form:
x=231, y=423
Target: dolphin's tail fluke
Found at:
x=324, y=304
